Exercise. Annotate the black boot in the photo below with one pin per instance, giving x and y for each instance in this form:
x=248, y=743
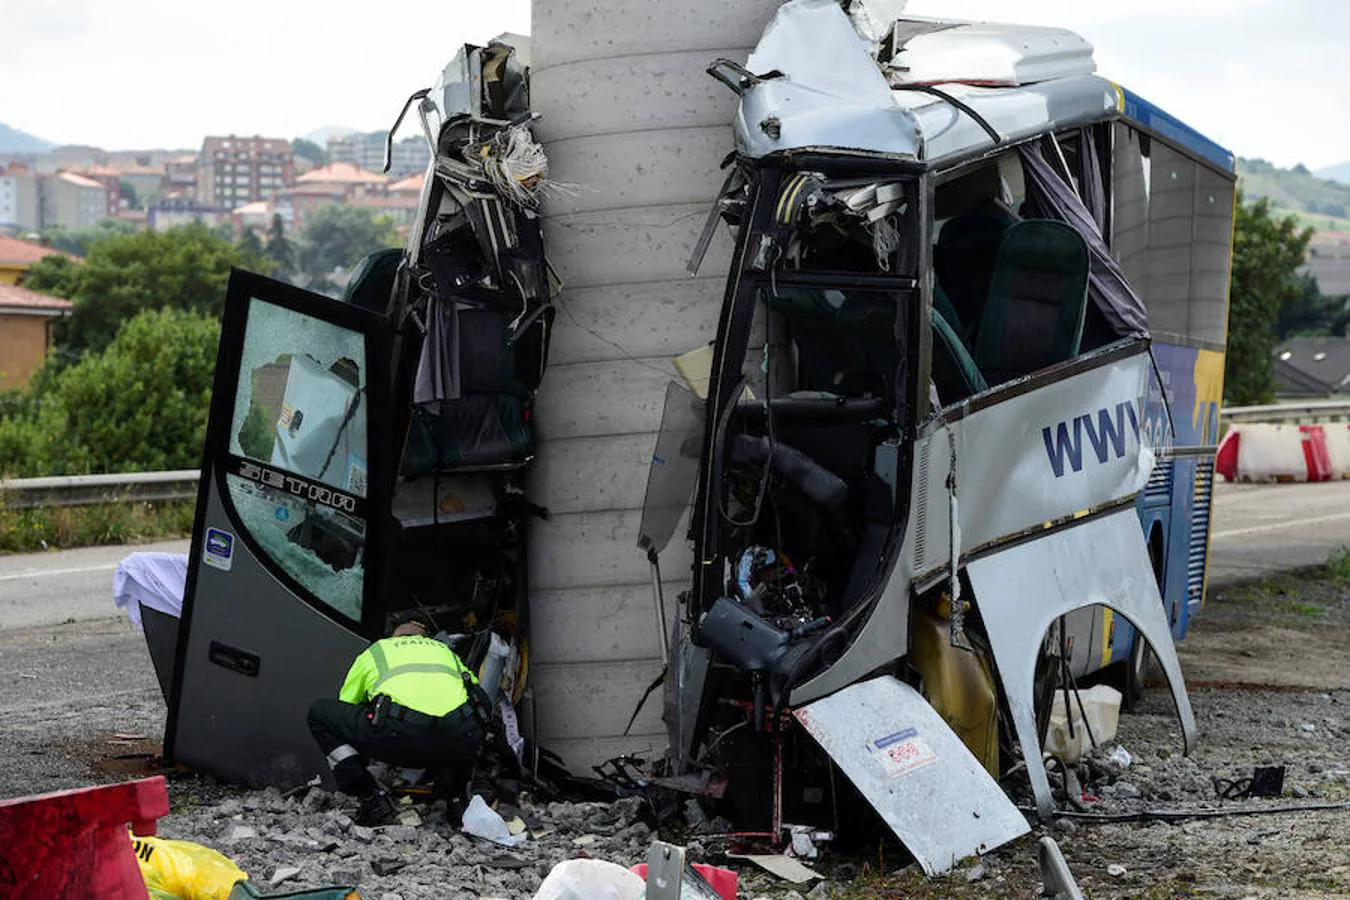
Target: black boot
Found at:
x=376, y=809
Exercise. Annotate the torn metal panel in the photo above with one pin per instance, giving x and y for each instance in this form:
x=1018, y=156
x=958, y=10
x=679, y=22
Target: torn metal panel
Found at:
x=1023, y=589
x=914, y=770
x=816, y=83
x=1033, y=452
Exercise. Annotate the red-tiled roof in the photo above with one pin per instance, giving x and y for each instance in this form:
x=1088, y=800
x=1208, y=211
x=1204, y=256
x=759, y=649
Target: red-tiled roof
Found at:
x=341, y=173
x=80, y=180
x=13, y=250
x=14, y=297
x=410, y=185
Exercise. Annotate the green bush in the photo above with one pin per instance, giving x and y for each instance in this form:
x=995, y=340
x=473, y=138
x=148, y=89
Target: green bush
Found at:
x=138, y=405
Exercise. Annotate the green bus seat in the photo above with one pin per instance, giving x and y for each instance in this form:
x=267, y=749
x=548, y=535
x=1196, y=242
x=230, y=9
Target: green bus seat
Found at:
x=1037, y=301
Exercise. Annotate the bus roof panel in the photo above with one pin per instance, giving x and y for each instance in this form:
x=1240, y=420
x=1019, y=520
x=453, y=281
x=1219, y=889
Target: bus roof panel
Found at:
x=1139, y=110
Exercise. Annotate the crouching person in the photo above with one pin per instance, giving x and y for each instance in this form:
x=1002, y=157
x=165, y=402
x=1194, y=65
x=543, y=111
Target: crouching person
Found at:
x=406, y=702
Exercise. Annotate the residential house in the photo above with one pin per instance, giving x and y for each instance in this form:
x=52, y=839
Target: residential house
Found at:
x=295, y=203
x=256, y=215
x=401, y=209
x=1312, y=367
x=17, y=257
x=148, y=180
x=26, y=319
x=1329, y=262
x=366, y=151
x=350, y=180
x=233, y=170
x=170, y=212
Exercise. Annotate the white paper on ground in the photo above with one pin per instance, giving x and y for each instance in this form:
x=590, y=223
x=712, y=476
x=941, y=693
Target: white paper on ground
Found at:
x=481, y=820
x=784, y=867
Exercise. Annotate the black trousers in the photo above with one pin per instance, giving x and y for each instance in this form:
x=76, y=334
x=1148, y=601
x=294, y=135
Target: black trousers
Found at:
x=447, y=746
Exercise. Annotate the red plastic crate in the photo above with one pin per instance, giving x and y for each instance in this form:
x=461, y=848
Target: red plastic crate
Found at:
x=74, y=844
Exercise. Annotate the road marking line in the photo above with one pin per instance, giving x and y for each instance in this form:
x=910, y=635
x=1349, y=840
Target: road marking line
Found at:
x=1237, y=532
x=42, y=573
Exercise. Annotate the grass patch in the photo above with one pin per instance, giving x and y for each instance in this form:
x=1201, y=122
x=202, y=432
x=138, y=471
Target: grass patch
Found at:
x=64, y=527
x=1338, y=567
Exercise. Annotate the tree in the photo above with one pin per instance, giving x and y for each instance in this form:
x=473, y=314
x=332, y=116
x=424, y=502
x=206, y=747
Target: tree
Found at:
x=184, y=268
x=337, y=237
x=1266, y=255
x=249, y=244
x=279, y=249
x=127, y=191
x=310, y=151
x=78, y=240
x=140, y=404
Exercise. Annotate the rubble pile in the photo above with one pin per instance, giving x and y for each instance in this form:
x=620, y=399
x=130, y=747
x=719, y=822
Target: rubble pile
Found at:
x=292, y=843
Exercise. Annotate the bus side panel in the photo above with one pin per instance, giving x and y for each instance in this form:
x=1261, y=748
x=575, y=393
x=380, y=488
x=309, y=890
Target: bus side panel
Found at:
x=1177, y=578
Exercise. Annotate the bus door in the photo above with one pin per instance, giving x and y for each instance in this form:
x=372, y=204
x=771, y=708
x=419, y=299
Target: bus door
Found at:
x=287, y=553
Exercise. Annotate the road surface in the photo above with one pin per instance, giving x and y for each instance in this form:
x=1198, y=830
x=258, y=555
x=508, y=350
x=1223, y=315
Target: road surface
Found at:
x=1262, y=528
x=1258, y=528
x=51, y=588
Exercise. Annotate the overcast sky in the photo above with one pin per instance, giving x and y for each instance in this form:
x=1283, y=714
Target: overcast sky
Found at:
x=1263, y=77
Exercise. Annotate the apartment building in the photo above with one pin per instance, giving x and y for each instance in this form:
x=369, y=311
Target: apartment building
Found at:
x=111, y=180
x=19, y=206
x=233, y=170
x=366, y=151
x=72, y=201
x=180, y=176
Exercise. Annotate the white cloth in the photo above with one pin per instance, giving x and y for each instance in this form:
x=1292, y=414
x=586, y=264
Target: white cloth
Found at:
x=154, y=580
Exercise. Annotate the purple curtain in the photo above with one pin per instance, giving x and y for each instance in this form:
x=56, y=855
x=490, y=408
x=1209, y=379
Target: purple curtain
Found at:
x=1049, y=196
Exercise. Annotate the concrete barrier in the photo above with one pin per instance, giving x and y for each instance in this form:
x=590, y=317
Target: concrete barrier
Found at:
x=1257, y=451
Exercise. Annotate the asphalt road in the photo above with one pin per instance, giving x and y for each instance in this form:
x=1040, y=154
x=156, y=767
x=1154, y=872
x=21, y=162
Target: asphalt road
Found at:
x=1261, y=528
x=1258, y=528
x=50, y=588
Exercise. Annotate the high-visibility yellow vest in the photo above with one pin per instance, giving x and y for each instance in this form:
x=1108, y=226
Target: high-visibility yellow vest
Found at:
x=418, y=672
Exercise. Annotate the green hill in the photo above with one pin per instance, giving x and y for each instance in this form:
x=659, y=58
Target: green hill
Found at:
x=1317, y=202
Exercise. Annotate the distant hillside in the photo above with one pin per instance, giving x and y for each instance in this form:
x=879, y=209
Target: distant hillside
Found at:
x=1296, y=190
x=1339, y=172
x=12, y=140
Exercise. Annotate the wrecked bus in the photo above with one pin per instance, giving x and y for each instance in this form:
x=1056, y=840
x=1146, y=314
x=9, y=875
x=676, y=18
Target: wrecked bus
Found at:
x=975, y=306
x=971, y=339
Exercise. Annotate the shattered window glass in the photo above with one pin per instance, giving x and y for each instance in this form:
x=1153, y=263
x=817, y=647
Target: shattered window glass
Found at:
x=298, y=435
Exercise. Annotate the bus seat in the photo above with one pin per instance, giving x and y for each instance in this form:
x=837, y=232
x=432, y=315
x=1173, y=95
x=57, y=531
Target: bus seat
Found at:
x=954, y=371
x=1037, y=300
x=963, y=261
x=839, y=333
x=488, y=425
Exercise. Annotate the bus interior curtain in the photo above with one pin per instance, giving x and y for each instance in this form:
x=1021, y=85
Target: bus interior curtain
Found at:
x=438, y=377
x=1050, y=197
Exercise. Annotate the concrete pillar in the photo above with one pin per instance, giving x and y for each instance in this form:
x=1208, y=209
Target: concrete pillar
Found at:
x=633, y=121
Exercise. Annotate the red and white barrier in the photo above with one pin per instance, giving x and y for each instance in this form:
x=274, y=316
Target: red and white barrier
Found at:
x=1338, y=448
x=1259, y=452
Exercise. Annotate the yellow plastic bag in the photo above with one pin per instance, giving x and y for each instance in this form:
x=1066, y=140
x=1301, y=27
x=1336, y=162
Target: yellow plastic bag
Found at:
x=181, y=870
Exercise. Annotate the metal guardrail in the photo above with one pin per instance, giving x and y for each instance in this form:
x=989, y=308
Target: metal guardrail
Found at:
x=85, y=490
x=1291, y=413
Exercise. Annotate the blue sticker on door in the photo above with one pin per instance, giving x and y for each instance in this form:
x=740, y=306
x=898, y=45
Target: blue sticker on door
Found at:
x=219, y=549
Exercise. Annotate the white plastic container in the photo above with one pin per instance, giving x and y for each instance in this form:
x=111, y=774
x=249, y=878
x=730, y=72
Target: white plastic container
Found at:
x=1102, y=705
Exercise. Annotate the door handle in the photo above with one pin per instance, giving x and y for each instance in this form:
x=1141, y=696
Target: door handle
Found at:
x=234, y=659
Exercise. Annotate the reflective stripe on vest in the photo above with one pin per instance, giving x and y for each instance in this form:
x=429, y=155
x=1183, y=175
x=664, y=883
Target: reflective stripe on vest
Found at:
x=383, y=672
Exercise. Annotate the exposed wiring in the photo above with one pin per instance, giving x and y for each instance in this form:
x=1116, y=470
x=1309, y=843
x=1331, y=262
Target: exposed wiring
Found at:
x=1179, y=815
